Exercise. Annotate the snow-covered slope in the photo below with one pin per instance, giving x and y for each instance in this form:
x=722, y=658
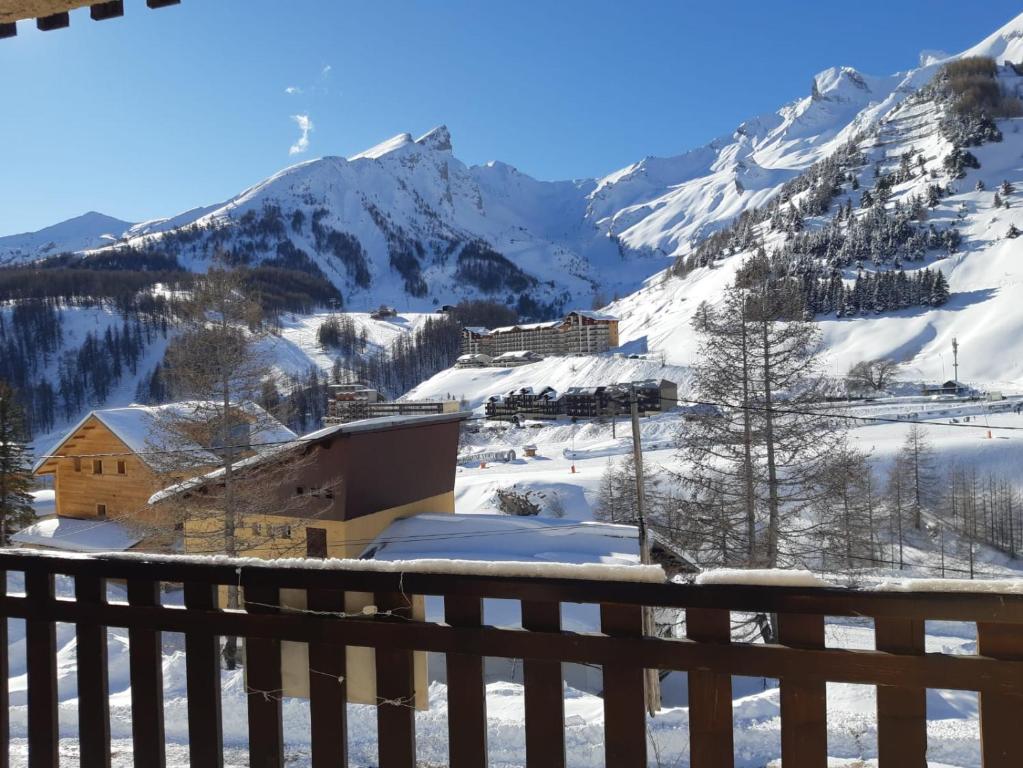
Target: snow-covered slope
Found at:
x=90, y=230
x=985, y=274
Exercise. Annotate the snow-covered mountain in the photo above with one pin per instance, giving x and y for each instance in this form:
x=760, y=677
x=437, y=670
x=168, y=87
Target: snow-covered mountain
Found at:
x=90, y=230
x=406, y=222
x=984, y=270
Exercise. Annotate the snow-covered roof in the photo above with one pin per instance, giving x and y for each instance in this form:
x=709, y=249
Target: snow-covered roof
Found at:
x=582, y=390
x=505, y=538
x=144, y=429
x=526, y=326
x=592, y=315
x=520, y=354
x=472, y=357
x=479, y=330
x=73, y=535
x=351, y=427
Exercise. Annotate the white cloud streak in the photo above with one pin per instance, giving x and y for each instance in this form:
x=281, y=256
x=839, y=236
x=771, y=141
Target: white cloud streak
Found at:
x=291, y=90
x=305, y=126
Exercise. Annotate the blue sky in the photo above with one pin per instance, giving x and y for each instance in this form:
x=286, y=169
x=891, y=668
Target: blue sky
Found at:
x=165, y=110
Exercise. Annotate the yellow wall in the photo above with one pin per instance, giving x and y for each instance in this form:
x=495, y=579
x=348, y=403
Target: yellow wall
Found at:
x=345, y=539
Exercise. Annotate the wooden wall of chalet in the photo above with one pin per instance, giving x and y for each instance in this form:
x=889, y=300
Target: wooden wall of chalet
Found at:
x=79, y=488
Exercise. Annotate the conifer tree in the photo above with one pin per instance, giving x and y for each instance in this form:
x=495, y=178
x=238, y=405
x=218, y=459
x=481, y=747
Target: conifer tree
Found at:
x=939, y=290
x=15, y=474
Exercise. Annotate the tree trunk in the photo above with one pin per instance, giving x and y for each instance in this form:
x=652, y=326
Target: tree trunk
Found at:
x=773, y=511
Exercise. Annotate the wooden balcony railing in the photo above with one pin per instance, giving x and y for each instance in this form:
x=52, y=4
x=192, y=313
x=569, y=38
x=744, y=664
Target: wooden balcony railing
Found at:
x=900, y=668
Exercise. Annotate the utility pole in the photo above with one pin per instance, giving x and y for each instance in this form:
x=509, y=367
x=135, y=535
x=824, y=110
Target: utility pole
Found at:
x=637, y=457
x=653, y=683
x=955, y=362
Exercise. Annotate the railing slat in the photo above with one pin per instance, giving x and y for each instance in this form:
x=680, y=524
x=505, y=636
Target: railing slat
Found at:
x=1001, y=715
x=396, y=714
x=202, y=673
x=145, y=664
x=624, y=692
x=93, y=685
x=328, y=690
x=5, y=667
x=804, y=709
x=711, y=742
x=41, y=664
x=467, y=699
x=901, y=712
x=544, y=693
x=264, y=685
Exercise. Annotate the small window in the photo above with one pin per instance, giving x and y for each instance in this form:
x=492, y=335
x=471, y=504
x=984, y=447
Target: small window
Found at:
x=122, y=468
x=97, y=466
x=283, y=531
x=101, y=510
x=257, y=529
x=299, y=490
x=78, y=464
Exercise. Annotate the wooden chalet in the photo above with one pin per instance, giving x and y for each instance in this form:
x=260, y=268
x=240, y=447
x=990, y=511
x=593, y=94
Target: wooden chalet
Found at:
x=109, y=464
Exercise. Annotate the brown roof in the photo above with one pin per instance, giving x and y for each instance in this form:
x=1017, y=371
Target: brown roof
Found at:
x=53, y=14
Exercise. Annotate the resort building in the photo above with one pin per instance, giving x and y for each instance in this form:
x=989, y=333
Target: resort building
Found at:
x=578, y=333
x=352, y=402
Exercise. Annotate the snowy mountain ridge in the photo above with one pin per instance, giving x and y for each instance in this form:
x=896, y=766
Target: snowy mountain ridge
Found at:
x=393, y=223
x=90, y=230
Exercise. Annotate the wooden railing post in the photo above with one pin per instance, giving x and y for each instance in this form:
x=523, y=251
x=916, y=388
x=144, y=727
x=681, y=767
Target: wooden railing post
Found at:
x=264, y=685
x=901, y=712
x=5, y=673
x=41, y=663
x=396, y=714
x=711, y=742
x=544, y=693
x=624, y=692
x=145, y=666
x=1001, y=715
x=804, y=710
x=467, y=701
x=93, y=684
x=328, y=690
x=202, y=673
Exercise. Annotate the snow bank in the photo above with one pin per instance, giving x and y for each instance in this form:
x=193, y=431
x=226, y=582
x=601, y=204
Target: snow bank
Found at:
x=768, y=577
x=975, y=586
x=504, y=538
